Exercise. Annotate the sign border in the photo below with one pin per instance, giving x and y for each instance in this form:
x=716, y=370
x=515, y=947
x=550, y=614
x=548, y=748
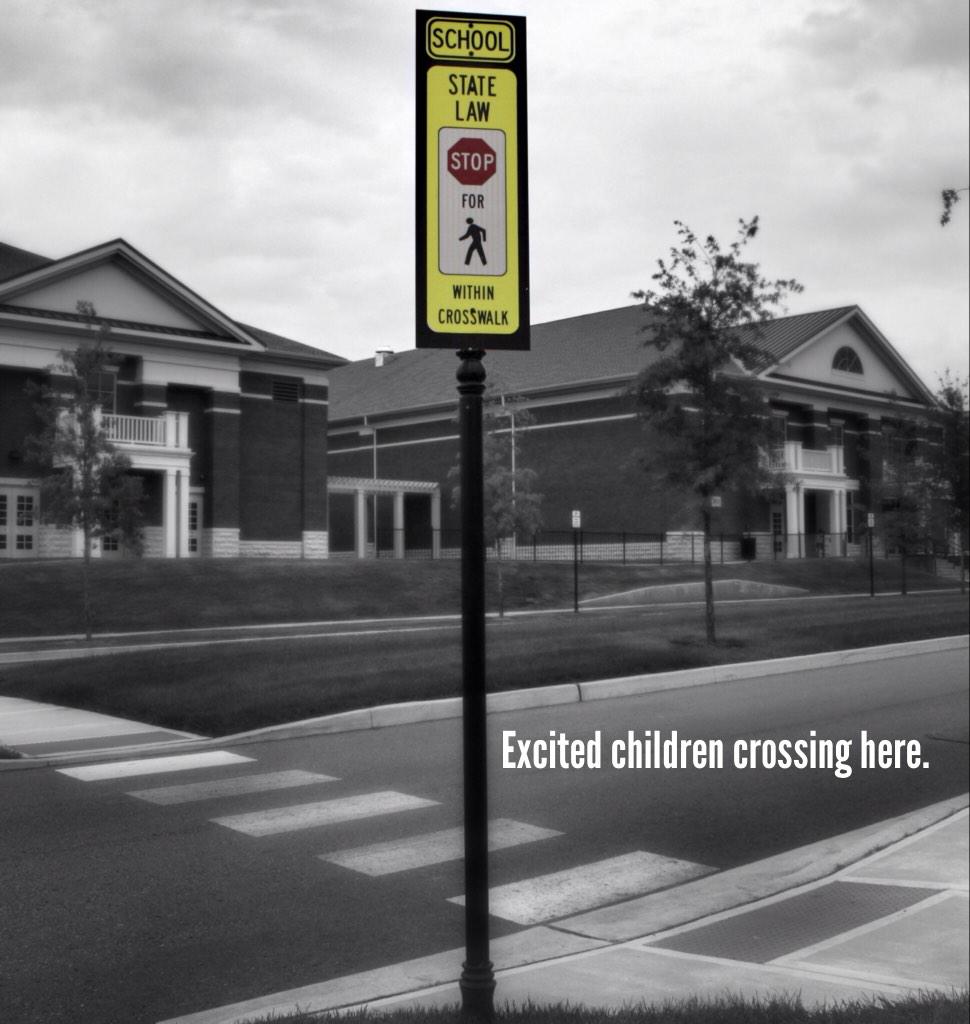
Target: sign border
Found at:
x=425, y=336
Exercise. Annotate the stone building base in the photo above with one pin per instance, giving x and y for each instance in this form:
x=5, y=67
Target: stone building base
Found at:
x=316, y=544
x=220, y=542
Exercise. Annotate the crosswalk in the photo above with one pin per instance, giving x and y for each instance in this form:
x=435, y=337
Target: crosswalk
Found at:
x=533, y=900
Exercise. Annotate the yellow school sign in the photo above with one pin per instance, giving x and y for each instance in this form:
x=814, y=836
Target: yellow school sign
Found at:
x=472, y=205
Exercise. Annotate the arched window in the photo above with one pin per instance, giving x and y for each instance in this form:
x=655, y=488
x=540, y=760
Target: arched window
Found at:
x=847, y=361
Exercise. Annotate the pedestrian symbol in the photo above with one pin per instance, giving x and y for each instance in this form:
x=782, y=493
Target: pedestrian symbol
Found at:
x=477, y=235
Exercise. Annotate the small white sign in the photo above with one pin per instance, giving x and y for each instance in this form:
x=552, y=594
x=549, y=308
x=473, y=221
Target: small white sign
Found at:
x=871, y=519
x=577, y=519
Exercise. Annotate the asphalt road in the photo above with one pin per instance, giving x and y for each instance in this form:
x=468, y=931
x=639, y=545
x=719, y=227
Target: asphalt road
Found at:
x=120, y=909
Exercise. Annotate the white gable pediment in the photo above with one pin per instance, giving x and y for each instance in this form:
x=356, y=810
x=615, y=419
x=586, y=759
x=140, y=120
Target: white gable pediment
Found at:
x=115, y=294
x=882, y=371
x=125, y=288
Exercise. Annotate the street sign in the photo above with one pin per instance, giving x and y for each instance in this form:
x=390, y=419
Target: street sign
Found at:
x=577, y=519
x=472, y=195
x=871, y=520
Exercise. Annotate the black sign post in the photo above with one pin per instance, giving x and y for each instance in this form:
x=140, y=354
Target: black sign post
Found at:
x=472, y=294
x=477, y=977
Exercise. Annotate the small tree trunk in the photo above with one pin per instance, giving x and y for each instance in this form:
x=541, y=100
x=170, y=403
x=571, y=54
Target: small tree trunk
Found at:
x=501, y=590
x=708, y=580
x=963, y=564
x=902, y=570
x=86, y=584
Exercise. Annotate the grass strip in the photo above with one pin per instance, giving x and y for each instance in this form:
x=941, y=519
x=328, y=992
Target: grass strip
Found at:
x=929, y=1008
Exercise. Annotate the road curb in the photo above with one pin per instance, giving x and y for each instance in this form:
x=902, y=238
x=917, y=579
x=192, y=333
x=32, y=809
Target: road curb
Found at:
x=651, y=915
x=416, y=712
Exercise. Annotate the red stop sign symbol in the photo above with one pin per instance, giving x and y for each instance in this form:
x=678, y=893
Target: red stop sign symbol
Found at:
x=472, y=161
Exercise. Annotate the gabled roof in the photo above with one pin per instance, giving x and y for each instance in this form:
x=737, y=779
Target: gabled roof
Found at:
x=287, y=346
x=22, y=272
x=605, y=349
x=14, y=261
x=781, y=337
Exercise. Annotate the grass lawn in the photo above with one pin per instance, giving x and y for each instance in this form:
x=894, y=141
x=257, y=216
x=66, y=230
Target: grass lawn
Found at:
x=926, y=1009
x=226, y=688
x=44, y=598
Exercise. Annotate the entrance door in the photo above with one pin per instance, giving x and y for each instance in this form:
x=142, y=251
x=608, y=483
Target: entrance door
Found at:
x=19, y=513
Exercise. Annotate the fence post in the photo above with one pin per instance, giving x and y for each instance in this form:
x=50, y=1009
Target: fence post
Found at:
x=624, y=547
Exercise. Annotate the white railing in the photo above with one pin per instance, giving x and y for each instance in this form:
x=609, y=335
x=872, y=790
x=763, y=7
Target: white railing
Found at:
x=169, y=430
x=793, y=458
x=134, y=429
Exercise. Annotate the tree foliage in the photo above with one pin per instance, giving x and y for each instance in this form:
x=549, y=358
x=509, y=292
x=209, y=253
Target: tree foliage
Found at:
x=85, y=483
x=907, y=490
x=954, y=460
x=700, y=395
x=512, y=507
x=949, y=197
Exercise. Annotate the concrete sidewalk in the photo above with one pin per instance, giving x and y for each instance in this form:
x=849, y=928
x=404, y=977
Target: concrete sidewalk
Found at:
x=34, y=730
x=889, y=924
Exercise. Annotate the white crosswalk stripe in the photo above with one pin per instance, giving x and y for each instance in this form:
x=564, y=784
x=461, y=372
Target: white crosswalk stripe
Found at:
x=239, y=785
x=326, y=812
x=562, y=893
x=432, y=848
x=153, y=765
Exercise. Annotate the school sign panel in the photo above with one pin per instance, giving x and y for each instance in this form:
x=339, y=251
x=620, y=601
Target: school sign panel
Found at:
x=472, y=194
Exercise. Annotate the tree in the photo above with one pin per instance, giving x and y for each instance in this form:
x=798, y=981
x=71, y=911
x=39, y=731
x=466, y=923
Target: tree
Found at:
x=950, y=197
x=907, y=489
x=511, y=503
x=699, y=397
x=954, y=462
x=86, y=484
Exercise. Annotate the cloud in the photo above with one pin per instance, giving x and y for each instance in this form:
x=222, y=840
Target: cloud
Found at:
x=263, y=150
x=852, y=39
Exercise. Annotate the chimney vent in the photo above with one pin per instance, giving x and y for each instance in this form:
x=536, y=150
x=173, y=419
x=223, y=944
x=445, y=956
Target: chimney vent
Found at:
x=382, y=356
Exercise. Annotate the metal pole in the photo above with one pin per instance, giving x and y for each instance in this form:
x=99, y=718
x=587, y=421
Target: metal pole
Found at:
x=477, y=982
x=575, y=570
x=872, y=577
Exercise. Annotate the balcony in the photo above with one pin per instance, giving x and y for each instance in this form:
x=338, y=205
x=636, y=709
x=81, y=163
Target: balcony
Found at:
x=170, y=431
x=791, y=457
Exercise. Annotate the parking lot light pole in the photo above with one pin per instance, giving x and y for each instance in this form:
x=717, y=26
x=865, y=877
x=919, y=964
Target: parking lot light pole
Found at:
x=477, y=981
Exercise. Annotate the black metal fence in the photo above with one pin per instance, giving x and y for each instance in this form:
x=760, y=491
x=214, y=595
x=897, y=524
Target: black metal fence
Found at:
x=627, y=547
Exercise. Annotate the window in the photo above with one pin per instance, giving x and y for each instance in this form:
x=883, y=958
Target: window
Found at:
x=847, y=361
x=837, y=433
x=101, y=387
x=19, y=520
x=25, y=510
x=193, y=527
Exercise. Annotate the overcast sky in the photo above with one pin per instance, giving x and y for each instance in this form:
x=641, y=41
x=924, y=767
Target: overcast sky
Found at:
x=262, y=151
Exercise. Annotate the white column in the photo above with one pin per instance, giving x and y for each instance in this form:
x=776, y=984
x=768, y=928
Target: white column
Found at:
x=360, y=524
x=182, y=478
x=170, y=513
x=794, y=518
x=436, y=524
x=399, y=524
